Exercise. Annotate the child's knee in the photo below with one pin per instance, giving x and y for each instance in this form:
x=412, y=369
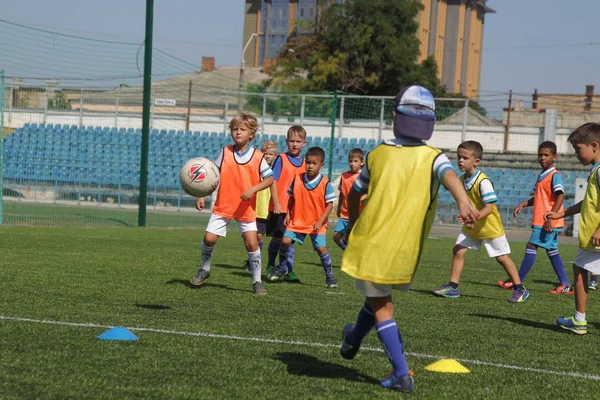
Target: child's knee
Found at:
x=337, y=237
x=210, y=239
x=286, y=241
x=459, y=251
x=321, y=250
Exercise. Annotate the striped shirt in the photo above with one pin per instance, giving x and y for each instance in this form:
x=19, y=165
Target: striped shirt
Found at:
x=486, y=188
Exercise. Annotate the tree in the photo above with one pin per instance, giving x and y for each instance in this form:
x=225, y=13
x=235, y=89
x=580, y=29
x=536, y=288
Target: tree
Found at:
x=361, y=46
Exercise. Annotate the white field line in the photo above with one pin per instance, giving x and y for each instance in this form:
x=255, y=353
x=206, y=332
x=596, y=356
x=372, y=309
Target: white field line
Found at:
x=580, y=375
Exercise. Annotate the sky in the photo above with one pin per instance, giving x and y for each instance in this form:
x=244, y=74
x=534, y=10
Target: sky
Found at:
x=550, y=45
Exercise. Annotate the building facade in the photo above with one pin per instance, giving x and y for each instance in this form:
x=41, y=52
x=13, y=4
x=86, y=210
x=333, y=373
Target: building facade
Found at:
x=449, y=30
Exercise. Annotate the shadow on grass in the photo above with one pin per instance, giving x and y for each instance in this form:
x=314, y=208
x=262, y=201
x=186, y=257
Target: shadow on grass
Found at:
x=204, y=285
x=519, y=321
x=306, y=365
x=482, y=284
x=428, y=292
x=153, y=306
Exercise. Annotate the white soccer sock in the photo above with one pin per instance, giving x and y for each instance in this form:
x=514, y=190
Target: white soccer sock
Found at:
x=255, y=261
x=579, y=316
x=206, y=255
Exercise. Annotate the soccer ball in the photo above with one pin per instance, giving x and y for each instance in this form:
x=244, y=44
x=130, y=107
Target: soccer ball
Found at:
x=199, y=177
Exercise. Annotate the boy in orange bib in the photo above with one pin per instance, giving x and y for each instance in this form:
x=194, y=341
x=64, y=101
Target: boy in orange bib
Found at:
x=311, y=198
x=244, y=172
x=356, y=161
x=549, y=197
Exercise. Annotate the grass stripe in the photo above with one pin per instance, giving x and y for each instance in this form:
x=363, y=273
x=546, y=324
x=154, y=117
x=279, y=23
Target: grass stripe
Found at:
x=579, y=375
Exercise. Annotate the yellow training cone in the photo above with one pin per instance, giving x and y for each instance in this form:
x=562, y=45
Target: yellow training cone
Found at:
x=448, y=366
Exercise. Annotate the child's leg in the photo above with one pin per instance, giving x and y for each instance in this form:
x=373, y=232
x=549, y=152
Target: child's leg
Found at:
x=207, y=249
x=580, y=280
x=254, y=258
x=559, y=267
x=325, y=260
x=273, y=250
x=593, y=285
x=288, y=258
x=510, y=268
x=338, y=238
x=528, y=261
x=260, y=238
x=388, y=333
x=458, y=264
x=364, y=323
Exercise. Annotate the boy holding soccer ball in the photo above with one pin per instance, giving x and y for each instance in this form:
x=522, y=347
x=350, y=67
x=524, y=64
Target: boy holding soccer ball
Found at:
x=244, y=172
x=402, y=178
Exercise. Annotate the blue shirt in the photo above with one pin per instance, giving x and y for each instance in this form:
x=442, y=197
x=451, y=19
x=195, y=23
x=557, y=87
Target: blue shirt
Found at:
x=278, y=164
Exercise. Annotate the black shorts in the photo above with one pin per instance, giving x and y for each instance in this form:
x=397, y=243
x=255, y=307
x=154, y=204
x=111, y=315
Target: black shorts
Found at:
x=261, y=225
x=275, y=225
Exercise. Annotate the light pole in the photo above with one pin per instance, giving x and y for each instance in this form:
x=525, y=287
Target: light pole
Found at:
x=242, y=65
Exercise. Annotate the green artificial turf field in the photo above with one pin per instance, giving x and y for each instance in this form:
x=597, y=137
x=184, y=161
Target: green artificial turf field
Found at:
x=61, y=287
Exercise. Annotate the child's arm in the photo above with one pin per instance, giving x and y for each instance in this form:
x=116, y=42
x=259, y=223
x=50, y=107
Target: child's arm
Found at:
x=248, y=193
x=275, y=198
x=324, y=217
x=574, y=209
x=560, y=199
x=200, y=203
x=339, y=206
x=290, y=207
x=467, y=213
x=528, y=203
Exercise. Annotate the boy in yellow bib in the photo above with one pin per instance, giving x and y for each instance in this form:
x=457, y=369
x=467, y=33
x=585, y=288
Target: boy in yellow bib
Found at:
x=586, y=142
x=488, y=230
x=401, y=178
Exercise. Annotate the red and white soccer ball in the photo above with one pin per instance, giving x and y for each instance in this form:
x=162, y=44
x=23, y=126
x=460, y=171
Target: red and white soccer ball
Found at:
x=199, y=177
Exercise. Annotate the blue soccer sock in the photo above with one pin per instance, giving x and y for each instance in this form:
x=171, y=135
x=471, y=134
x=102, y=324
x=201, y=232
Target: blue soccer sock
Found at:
x=527, y=263
x=364, y=323
x=559, y=267
x=283, y=251
x=342, y=244
x=326, y=263
x=273, y=250
x=391, y=340
x=289, y=258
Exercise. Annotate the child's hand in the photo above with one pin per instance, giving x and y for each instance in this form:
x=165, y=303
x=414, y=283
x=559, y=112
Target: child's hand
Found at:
x=517, y=210
x=286, y=221
x=317, y=225
x=200, y=203
x=551, y=215
x=247, y=195
x=277, y=208
x=548, y=226
x=596, y=238
x=468, y=214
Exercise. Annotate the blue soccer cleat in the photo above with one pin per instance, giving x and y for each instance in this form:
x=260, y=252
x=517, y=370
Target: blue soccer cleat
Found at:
x=570, y=324
x=347, y=350
x=446, y=291
x=402, y=383
x=519, y=296
x=277, y=274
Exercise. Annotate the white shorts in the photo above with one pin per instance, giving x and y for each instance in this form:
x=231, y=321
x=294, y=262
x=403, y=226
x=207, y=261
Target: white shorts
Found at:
x=588, y=260
x=495, y=247
x=218, y=225
x=372, y=289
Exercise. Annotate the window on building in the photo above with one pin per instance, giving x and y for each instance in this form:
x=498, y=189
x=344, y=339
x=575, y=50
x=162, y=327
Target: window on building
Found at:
x=311, y=12
x=302, y=12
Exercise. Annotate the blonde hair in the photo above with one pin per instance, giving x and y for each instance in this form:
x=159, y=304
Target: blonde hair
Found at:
x=268, y=144
x=244, y=118
x=296, y=130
